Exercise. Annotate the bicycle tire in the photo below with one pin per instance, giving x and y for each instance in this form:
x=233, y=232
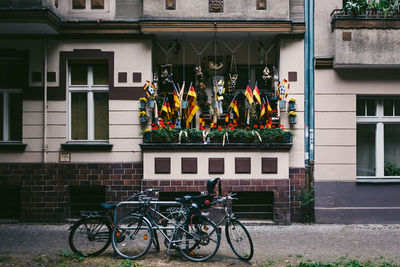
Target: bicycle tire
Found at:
x=138, y=237
x=235, y=230
x=190, y=247
x=90, y=236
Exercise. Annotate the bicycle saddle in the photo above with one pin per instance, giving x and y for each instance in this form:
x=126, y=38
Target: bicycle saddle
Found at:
x=108, y=206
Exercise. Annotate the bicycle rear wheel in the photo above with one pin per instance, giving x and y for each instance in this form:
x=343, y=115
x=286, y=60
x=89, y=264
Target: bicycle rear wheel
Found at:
x=200, y=242
x=239, y=239
x=90, y=236
x=138, y=235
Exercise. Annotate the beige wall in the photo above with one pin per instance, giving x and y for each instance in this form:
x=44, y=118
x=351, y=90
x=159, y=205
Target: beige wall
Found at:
x=233, y=9
x=335, y=116
x=202, y=165
x=124, y=130
x=324, y=39
x=292, y=60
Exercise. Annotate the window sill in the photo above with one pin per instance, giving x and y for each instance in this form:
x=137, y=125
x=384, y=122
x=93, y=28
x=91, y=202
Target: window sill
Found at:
x=375, y=180
x=12, y=147
x=87, y=146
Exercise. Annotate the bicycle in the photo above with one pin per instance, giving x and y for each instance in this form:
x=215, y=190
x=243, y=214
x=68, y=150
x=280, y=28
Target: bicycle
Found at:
x=194, y=236
x=237, y=235
x=91, y=235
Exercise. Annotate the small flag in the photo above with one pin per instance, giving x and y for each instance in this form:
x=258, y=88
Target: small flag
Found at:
x=193, y=96
x=263, y=109
x=256, y=94
x=249, y=94
x=269, y=109
x=192, y=111
x=235, y=107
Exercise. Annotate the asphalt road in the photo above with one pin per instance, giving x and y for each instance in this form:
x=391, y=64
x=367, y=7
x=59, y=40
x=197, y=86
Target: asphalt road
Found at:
x=273, y=244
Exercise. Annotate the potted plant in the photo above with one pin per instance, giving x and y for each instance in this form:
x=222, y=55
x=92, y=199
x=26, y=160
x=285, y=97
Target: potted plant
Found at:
x=292, y=117
x=292, y=104
x=217, y=135
x=142, y=117
x=143, y=102
x=164, y=135
x=193, y=136
x=241, y=136
x=270, y=136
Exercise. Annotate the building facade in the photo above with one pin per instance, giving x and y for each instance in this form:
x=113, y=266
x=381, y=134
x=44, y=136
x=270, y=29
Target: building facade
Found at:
x=356, y=114
x=72, y=74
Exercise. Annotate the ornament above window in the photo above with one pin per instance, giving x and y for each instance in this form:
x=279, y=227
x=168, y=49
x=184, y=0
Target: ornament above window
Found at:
x=170, y=4
x=216, y=5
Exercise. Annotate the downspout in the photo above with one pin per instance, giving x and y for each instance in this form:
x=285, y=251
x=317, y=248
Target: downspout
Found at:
x=306, y=84
x=45, y=146
x=311, y=81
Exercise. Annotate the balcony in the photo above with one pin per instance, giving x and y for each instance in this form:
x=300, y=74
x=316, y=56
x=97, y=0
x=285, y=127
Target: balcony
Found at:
x=366, y=39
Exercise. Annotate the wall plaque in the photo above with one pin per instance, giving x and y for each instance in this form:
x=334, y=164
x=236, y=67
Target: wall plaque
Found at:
x=216, y=5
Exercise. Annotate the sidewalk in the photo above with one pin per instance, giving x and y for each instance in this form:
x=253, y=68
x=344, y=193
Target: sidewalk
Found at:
x=274, y=245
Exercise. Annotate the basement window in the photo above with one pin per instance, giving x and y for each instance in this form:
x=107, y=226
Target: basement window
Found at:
x=254, y=205
x=10, y=202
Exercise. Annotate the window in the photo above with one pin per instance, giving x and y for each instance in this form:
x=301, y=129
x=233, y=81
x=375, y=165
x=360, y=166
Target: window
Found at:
x=88, y=95
x=11, y=100
x=94, y=4
x=378, y=127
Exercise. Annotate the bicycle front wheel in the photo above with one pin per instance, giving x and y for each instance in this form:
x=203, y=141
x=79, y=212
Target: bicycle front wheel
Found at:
x=90, y=236
x=239, y=239
x=138, y=236
x=200, y=241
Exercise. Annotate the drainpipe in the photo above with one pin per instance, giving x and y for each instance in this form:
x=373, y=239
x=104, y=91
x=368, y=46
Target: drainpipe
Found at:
x=309, y=82
x=309, y=102
x=306, y=84
x=45, y=146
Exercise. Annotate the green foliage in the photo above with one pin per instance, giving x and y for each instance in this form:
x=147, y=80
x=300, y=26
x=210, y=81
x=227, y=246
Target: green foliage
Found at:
x=216, y=136
x=241, y=136
x=193, y=136
x=276, y=135
x=355, y=7
x=307, y=200
x=391, y=169
x=130, y=263
x=65, y=254
x=341, y=263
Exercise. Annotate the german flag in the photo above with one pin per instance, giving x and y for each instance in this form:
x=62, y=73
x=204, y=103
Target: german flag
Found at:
x=192, y=96
x=234, y=107
x=256, y=94
x=191, y=112
x=269, y=109
x=165, y=109
x=249, y=94
x=263, y=110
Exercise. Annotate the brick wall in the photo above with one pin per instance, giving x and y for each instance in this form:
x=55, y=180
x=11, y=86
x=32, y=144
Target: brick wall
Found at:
x=44, y=187
x=45, y=196
x=286, y=191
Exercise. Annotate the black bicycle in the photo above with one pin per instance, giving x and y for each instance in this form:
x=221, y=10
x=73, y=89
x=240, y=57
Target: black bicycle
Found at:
x=237, y=235
x=189, y=232
x=91, y=235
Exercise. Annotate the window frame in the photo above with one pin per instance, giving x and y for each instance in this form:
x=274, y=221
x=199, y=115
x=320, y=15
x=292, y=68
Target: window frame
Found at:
x=6, y=124
x=379, y=120
x=90, y=89
x=88, y=6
